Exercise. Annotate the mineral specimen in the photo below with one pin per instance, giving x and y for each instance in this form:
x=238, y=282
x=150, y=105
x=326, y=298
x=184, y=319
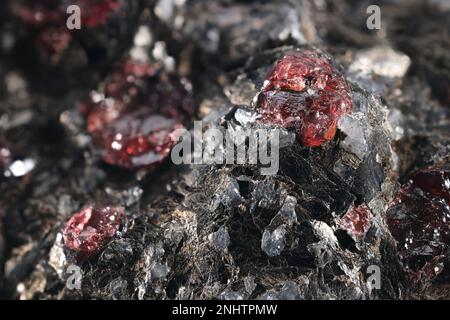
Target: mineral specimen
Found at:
x=419, y=219
x=133, y=117
x=13, y=163
x=53, y=12
x=306, y=93
x=49, y=17
x=88, y=230
x=232, y=30
x=356, y=221
x=381, y=61
x=326, y=225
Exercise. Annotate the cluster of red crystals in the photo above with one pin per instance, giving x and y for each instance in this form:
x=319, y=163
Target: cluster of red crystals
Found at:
x=49, y=18
x=133, y=117
x=419, y=219
x=88, y=230
x=306, y=93
x=356, y=221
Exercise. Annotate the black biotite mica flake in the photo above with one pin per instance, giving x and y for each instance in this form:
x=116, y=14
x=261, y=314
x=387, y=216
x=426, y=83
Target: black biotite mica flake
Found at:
x=92, y=205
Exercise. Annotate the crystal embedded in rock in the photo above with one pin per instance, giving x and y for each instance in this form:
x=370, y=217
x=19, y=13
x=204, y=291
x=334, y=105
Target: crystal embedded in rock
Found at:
x=88, y=230
x=133, y=117
x=49, y=18
x=54, y=12
x=138, y=139
x=306, y=93
x=381, y=61
x=13, y=164
x=435, y=182
x=357, y=220
x=272, y=243
x=419, y=219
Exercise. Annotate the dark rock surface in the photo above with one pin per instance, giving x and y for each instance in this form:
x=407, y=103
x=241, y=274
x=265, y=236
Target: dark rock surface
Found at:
x=311, y=231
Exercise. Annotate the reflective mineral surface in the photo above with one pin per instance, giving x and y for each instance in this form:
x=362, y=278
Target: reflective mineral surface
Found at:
x=305, y=92
x=419, y=219
x=357, y=208
x=357, y=220
x=88, y=230
x=134, y=115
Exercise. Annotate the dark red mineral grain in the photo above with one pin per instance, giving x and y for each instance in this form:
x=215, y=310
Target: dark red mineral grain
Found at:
x=48, y=19
x=133, y=116
x=419, y=219
x=357, y=220
x=306, y=93
x=88, y=230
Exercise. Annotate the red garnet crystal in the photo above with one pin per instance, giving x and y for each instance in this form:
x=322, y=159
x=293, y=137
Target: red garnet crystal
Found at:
x=356, y=221
x=133, y=117
x=95, y=13
x=54, y=12
x=6, y=156
x=88, y=230
x=419, y=219
x=49, y=18
x=306, y=93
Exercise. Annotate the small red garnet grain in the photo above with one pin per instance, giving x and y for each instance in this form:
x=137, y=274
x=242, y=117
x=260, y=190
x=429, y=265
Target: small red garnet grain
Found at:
x=357, y=221
x=419, y=220
x=88, y=230
x=134, y=115
x=306, y=93
x=49, y=17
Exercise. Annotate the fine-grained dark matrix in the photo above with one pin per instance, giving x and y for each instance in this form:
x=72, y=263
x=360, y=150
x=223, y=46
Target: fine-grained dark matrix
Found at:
x=89, y=117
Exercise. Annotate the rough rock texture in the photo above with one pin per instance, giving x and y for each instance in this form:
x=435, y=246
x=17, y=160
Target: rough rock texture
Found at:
x=314, y=230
